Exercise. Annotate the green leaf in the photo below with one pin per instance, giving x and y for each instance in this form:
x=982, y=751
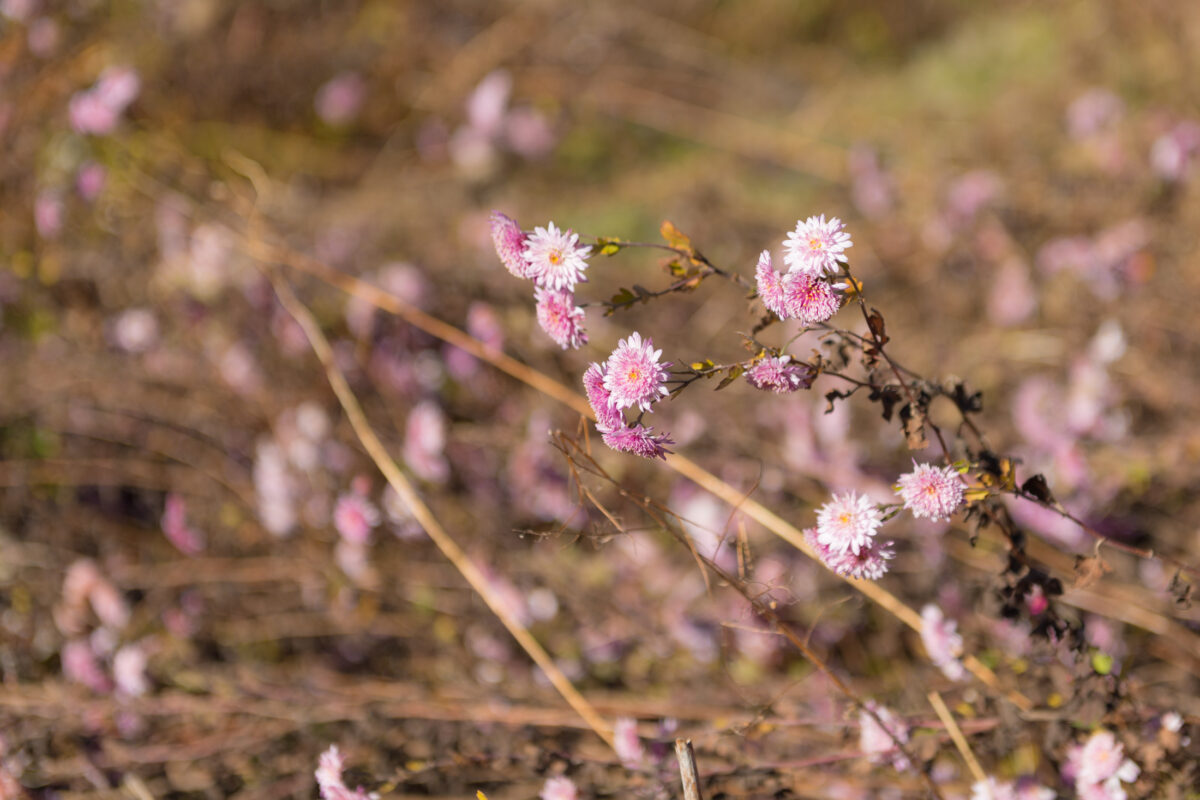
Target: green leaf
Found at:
x=608, y=246
x=700, y=366
x=735, y=372
x=1102, y=663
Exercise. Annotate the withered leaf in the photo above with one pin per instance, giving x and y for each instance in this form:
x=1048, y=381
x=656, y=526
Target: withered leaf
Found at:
x=875, y=323
x=675, y=237
x=1089, y=569
x=914, y=428
x=1037, y=487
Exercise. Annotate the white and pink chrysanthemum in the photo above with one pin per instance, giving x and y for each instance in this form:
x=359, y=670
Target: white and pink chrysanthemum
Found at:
x=559, y=787
x=329, y=777
x=798, y=296
x=933, y=492
x=555, y=257
x=1026, y=788
x=779, y=375
x=561, y=318
x=510, y=243
x=848, y=523
x=633, y=376
x=942, y=641
x=870, y=563
x=607, y=416
x=816, y=246
x=354, y=516
x=879, y=743
x=637, y=439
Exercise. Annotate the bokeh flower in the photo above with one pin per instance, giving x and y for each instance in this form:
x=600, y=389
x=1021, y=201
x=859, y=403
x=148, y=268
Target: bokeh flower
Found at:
x=560, y=787
x=942, y=641
x=879, y=742
x=354, y=516
x=626, y=742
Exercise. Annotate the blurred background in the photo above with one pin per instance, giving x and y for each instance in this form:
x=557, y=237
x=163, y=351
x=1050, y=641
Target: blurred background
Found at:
x=203, y=583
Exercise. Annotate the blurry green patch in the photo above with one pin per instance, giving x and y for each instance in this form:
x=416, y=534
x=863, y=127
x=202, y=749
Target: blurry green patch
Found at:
x=1102, y=663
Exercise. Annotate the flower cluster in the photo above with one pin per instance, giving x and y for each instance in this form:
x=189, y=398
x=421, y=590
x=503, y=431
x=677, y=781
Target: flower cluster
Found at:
x=555, y=261
x=797, y=295
x=1099, y=768
x=632, y=376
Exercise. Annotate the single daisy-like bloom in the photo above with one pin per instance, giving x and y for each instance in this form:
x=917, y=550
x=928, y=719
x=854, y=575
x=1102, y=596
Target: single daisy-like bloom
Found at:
x=329, y=777
x=870, y=563
x=637, y=439
x=816, y=246
x=556, y=259
x=607, y=415
x=633, y=376
x=879, y=742
x=848, y=523
x=942, y=641
x=809, y=300
x=510, y=244
x=560, y=317
x=933, y=492
x=559, y=788
x=779, y=375
x=354, y=517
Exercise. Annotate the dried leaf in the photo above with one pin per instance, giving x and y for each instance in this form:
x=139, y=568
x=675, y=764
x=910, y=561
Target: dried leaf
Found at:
x=735, y=372
x=675, y=237
x=878, y=329
x=1089, y=569
x=914, y=428
x=1037, y=487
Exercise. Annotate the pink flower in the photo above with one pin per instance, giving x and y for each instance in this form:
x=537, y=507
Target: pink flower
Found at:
x=186, y=539
x=561, y=318
x=329, y=777
x=1172, y=153
x=848, y=523
x=992, y=789
x=1092, y=112
x=607, y=415
x=797, y=296
x=354, y=516
x=487, y=104
x=48, y=214
x=559, y=788
x=633, y=376
x=556, y=260
x=1102, y=758
x=89, y=181
x=932, y=492
x=118, y=87
x=626, y=742
x=80, y=665
x=869, y=563
x=89, y=114
x=879, y=742
x=339, y=99
x=816, y=246
x=942, y=642
x=779, y=375
x=638, y=440
x=425, y=443
x=510, y=243
x=129, y=670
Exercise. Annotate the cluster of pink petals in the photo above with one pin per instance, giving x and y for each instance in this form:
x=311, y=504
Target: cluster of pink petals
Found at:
x=510, y=240
x=1172, y=154
x=942, y=642
x=848, y=523
x=559, y=787
x=779, y=375
x=633, y=376
x=329, y=777
x=816, y=246
x=354, y=516
x=97, y=110
x=869, y=563
x=1100, y=768
x=879, y=742
x=931, y=492
x=1024, y=789
x=607, y=415
x=638, y=440
x=796, y=295
x=560, y=317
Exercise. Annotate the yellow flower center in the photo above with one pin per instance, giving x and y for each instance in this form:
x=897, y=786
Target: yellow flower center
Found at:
x=634, y=375
x=844, y=518
x=555, y=257
x=815, y=244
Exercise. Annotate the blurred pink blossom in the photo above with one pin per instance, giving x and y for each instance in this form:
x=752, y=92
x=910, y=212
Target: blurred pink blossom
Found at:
x=48, y=214
x=90, y=180
x=97, y=110
x=354, y=516
x=528, y=133
x=129, y=670
x=879, y=742
x=329, y=777
x=80, y=665
x=559, y=787
x=135, y=330
x=186, y=539
x=425, y=441
x=626, y=742
x=1093, y=112
x=19, y=10
x=340, y=99
x=871, y=187
x=44, y=36
x=1012, y=298
x=942, y=642
x=1172, y=154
